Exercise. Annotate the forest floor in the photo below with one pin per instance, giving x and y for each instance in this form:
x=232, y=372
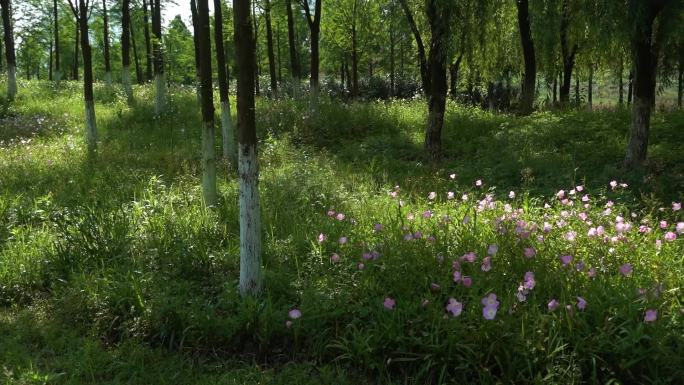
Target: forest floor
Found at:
x=379, y=266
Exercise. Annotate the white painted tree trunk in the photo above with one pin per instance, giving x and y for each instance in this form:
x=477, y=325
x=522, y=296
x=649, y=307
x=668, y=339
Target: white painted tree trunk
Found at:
x=91, y=125
x=108, y=79
x=208, y=164
x=160, y=97
x=11, y=82
x=126, y=81
x=227, y=132
x=250, y=221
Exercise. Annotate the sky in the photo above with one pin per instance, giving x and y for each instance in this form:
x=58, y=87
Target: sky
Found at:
x=182, y=7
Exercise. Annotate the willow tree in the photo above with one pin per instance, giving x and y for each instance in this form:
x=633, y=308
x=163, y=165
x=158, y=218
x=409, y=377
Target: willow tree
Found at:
x=208, y=152
x=80, y=9
x=530, y=76
x=433, y=65
x=126, y=49
x=159, y=81
x=248, y=168
x=226, y=122
x=10, y=56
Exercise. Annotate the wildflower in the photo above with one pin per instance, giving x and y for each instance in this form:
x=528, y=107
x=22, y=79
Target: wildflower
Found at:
x=408, y=237
x=583, y=216
x=592, y=272
x=294, y=314
x=469, y=256
x=623, y=185
x=393, y=194
x=521, y=294
x=410, y=216
x=427, y=214
x=418, y=235
x=566, y=259
x=592, y=232
x=432, y=195
x=486, y=264
x=600, y=231
x=457, y=276
x=454, y=307
x=676, y=206
x=467, y=281
x=570, y=236
x=511, y=194
x=560, y=194
x=553, y=305
x=663, y=224
x=335, y=258
x=478, y=183
x=530, y=252
x=613, y=184
x=452, y=176
x=288, y=324
x=579, y=188
x=581, y=303
x=450, y=195
x=529, y=280
x=435, y=287
x=626, y=269
x=644, y=229
x=571, y=192
x=585, y=198
x=377, y=227
x=389, y=303
x=680, y=227
x=361, y=266
x=547, y=227
x=340, y=217
x=464, y=197
x=321, y=238
x=579, y=266
x=490, y=300
x=492, y=249
x=651, y=315
x=489, y=312
x=343, y=240
x=331, y=213
x=456, y=265
x=670, y=236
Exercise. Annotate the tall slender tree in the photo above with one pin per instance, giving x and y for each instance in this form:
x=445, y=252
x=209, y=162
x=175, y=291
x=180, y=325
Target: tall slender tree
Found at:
x=105, y=29
x=530, y=77
x=271, y=53
x=195, y=37
x=148, y=42
x=567, y=53
x=55, y=17
x=10, y=56
x=295, y=71
x=159, y=81
x=208, y=151
x=136, y=59
x=248, y=168
x=226, y=122
x=315, y=30
x=126, y=49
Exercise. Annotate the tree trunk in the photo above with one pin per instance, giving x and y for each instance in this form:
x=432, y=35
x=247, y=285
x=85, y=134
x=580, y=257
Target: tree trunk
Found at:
x=294, y=60
x=590, y=88
x=530, y=77
x=438, y=15
x=76, y=51
x=392, y=65
x=148, y=44
x=126, y=50
x=9, y=49
x=248, y=168
x=315, y=29
x=424, y=75
x=226, y=122
x=555, y=89
x=621, y=86
x=136, y=59
x=208, y=151
x=50, y=61
x=195, y=38
x=577, y=90
x=57, y=75
x=630, y=87
x=453, y=73
x=108, y=66
x=271, y=54
x=568, y=54
x=88, y=98
x=355, y=64
x=680, y=78
x=160, y=96
x=280, y=67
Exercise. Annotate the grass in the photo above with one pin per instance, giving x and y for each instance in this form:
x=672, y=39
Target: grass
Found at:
x=113, y=271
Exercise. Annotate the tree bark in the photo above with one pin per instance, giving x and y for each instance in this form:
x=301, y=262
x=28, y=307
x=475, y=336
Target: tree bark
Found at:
x=295, y=70
x=568, y=54
x=248, y=168
x=355, y=58
x=577, y=90
x=645, y=63
x=621, y=86
x=680, y=78
x=88, y=98
x=530, y=77
x=271, y=53
x=315, y=29
x=148, y=44
x=630, y=87
x=424, y=75
x=257, y=86
x=195, y=38
x=126, y=49
x=228, y=143
x=10, y=56
x=57, y=76
x=108, y=66
x=77, y=41
x=160, y=96
x=136, y=59
x=208, y=151
x=438, y=15
x=453, y=73
x=590, y=88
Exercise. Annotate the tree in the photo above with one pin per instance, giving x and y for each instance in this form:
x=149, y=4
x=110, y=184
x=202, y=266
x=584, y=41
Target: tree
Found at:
x=530, y=77
x=271, y=54
x=295, y=71
x=126, y=50
x=567, y=53
x=195, y=37
x=159, y=81
x=58, y=68
x=208, y=155
x=148, y=45
x=9, y=48
x=248, y=167
x=81, y=11
x=226, y=122
x=433, y=68
x=315, y=29
x=108, y=66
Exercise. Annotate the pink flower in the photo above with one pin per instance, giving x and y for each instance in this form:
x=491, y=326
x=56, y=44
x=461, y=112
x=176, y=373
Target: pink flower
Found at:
x=432, y=195
x=464, y=197
x=529, y=280
x=579, y=188
x=581, y=303
x=651, y=315
x=592, y=232
x=457, y=276
x=321, y=238
x=408, y=237
x=486, y=264
x=467, y=281
x=613, y=184
x=676, y=206
x=454, y=307
x=389, y=303
x=450, y=195
x=560, y=194
x=570, y=236
x=377, y=227
x=294, y=314
x=680, y=227
x=530, y=252
x=583, y=216
x=626, y=269
x=410, y=216
x=553, y=305
x=335, y=258
x=418, y=235
x=547, y=227
x=592, y=272
x=566, y=259
x=670, y=236
x=340, y=217
x=511, y=194
x=492, y=249
x=478, y=183
x=361, y=266
x=343, y=240
x=393, y=194
x=489, y=312
x=663, y=224
x=331, y=213
x=427, y=214
x=600, y=231
x=469, y=256
x=490, y=300
x=585, y=198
